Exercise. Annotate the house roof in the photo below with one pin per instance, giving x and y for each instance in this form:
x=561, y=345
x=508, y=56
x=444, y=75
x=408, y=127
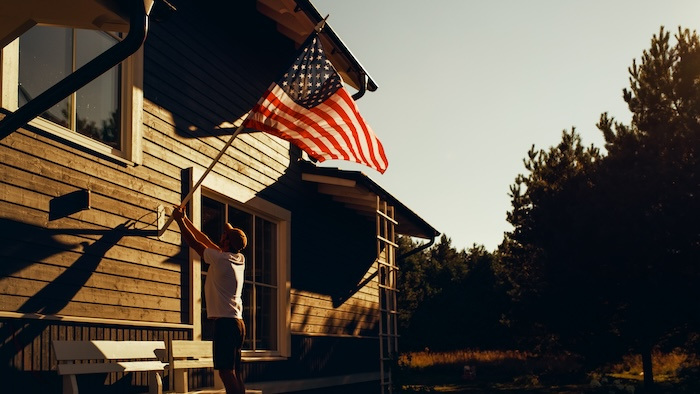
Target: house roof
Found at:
x=295, y=19
x=358, y=192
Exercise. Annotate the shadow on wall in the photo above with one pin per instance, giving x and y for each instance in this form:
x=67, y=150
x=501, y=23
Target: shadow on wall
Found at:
x=25, y=245
x=334, y=248
x=214, y=74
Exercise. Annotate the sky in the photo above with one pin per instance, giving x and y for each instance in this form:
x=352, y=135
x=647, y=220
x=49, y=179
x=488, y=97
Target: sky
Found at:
x=466, y=88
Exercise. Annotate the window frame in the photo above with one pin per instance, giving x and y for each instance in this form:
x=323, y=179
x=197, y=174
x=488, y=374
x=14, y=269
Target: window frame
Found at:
x=227, y=191
x=130, y=103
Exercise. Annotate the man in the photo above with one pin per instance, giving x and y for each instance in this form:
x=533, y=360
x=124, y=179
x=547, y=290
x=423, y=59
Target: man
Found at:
x=222, y=292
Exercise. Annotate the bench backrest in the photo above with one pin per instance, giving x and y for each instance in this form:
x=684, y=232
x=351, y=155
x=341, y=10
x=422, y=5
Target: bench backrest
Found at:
x=108, y=350
x=190, y=354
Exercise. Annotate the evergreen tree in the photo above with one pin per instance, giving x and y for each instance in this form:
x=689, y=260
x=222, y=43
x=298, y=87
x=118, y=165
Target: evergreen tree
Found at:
x=605, y=251
x=545, y=260
x=449, y=299
x=651, y=182
x=413, y=283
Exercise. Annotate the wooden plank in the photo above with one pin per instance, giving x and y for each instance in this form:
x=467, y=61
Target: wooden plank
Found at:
x=191, y=349
x=19, y=188
x=107, y=350
x=82, y=222
x=259, y=167
x=65, y=250
x=305, y=314
x=15, y=303
x=123, y=366
x=301, y=297
x=78, y=293
x=49, y=273
x=254, y=174
x=249, y=145
x=161, y=129
x=38, y=154
x=55, y=180
x=197, y=49
x=191, y=364
x=367, y=320
x=56, y=259
x=323, y=330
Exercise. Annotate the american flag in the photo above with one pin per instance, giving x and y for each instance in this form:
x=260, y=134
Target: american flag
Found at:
x=310, y=108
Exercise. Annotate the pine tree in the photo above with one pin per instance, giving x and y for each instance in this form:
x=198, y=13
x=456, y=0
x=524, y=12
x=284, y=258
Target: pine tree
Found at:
x=605, y=251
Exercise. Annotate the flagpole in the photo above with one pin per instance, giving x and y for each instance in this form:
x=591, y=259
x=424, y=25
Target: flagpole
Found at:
x=320, y=25
x=189, y=195
x=317, y=29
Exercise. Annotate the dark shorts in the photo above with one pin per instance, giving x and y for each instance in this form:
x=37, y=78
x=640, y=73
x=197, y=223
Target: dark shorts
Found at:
x=228, y=341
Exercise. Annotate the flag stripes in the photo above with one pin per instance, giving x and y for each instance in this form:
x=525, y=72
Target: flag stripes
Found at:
x=332, y=130
x=310, y=108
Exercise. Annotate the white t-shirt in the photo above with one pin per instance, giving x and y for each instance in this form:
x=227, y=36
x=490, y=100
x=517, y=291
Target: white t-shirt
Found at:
x=224, y=283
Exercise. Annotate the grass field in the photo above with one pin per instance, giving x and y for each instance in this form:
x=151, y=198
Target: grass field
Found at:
x=474, y=371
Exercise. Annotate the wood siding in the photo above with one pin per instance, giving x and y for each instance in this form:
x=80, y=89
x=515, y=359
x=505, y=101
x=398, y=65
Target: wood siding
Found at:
x=200, y=71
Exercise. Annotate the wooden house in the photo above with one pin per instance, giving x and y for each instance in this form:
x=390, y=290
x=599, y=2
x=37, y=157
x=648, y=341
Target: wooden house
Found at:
x=110, y=113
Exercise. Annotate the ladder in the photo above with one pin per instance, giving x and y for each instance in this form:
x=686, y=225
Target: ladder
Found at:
x=387, y=271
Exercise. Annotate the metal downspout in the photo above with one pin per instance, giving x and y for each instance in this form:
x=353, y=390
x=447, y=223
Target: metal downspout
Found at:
x=416, y=250
x=138, y=27
x=363, y=87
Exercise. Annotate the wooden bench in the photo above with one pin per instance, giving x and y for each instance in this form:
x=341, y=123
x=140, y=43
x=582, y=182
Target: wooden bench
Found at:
x=107, y=357
x=190, y=354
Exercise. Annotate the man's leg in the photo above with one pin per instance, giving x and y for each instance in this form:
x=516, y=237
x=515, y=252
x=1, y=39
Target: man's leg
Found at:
x=228, y=341
x=232, y=381
x=237, y=362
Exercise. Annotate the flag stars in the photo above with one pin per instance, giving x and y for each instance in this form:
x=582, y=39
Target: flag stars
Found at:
x=311, y=79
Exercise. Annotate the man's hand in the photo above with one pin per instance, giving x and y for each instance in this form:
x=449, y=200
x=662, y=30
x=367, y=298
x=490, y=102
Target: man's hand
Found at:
x=178, y=212
x=195, y=239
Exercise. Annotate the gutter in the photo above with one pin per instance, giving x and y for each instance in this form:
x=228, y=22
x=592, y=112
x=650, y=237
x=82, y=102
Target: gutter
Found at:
x=373, y=187
x=416, y=250
x=138, y=27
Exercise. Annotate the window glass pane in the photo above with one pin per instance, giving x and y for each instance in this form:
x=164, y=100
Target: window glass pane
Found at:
x=213, y=218
x=47, y=55
x=45, y=58
x=97, y=103
x=260, y=290
x=90, y=44
x=248, y=315
x=265, y=251
x=266, y=321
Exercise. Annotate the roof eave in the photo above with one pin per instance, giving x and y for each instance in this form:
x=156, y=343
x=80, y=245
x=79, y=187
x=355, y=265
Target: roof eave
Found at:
x=351, y=187
x=296, y=19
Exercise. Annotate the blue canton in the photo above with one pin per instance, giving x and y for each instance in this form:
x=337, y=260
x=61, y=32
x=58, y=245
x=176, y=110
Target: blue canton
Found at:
x=311, y=79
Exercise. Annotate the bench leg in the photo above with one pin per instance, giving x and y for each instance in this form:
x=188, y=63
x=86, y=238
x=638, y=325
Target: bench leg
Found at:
x=180, y=380
x=218, y=383
x=155, y=383
x=70, y=384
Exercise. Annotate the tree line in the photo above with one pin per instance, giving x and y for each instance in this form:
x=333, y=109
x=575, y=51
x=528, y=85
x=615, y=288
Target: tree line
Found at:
x=604, y=255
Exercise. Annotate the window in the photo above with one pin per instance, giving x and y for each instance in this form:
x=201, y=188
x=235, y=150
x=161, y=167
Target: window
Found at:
x=104, y=115
x=262, y=288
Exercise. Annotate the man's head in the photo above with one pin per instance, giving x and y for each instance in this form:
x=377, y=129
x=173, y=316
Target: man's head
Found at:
x=233, y=239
